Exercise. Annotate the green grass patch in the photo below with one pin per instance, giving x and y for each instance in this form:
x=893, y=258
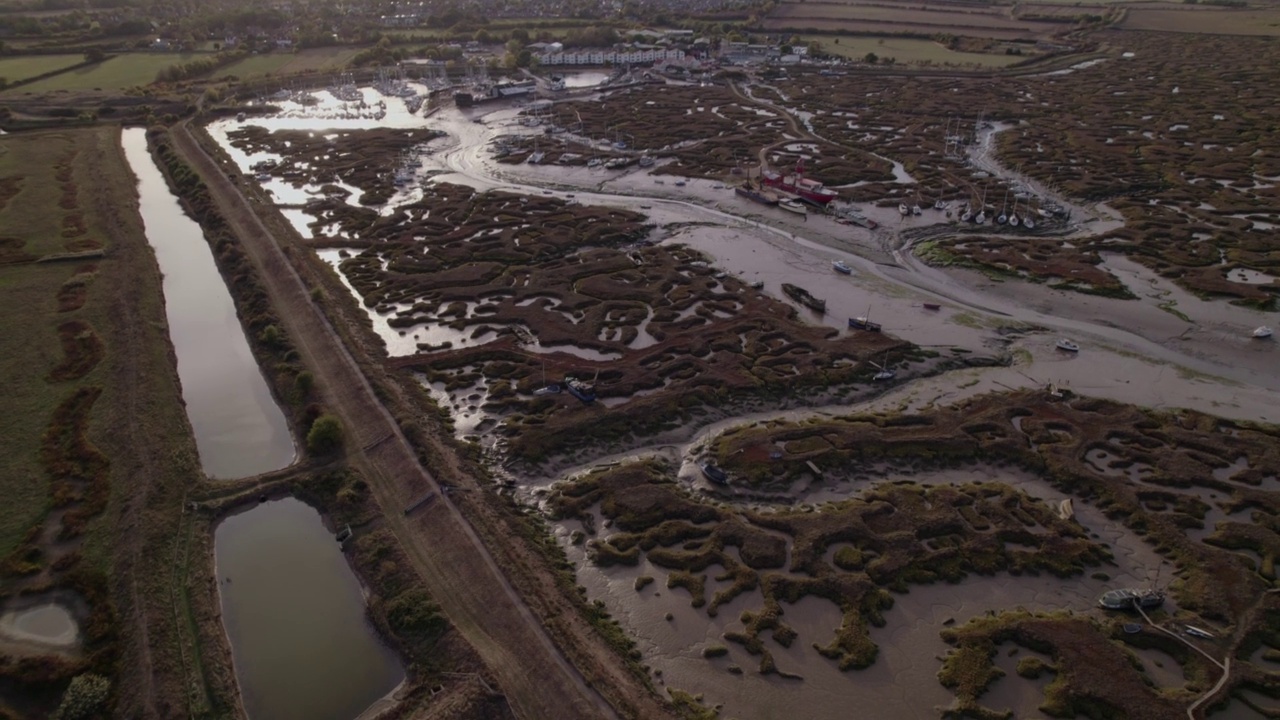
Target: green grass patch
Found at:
x=907, y=51
x=314, y=60
x=13, y=69
x=120, y=72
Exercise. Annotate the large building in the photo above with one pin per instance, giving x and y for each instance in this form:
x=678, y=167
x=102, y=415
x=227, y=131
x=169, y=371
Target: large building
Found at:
x=614, y=56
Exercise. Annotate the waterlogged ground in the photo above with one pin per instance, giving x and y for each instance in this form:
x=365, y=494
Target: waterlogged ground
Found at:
x=1165, y=348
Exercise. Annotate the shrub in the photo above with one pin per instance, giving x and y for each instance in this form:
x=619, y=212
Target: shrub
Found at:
x=84, y=696
x=325, y=435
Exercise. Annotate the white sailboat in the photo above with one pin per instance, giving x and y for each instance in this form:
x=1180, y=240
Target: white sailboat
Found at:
x=1003, y=218
x=903, y=210
x=1013, y=216
x=1027, y=221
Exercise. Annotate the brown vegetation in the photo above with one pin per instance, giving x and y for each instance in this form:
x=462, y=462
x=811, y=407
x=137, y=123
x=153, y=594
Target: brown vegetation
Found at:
x=1189, y=165
x=81, y=350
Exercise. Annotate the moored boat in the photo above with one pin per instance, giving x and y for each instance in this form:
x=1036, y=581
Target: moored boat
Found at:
x=584, y=391
x=932, y=306
x=840, y=267
x=903, y=209
x=864, y=323
x=798, y=184
x=1130, y=599
x=794, y=206
x=1262, y=332
x=803, y=297
x=764, y=197
x=714, y=474
x=1067, y=346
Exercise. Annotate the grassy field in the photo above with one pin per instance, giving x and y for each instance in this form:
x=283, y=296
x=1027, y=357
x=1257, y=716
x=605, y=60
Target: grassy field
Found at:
x=94, y=428
x=1202, y=19
x=330, y=59
x=907, y=51
x=859, y=16
x=13, y=69
x=118, y=73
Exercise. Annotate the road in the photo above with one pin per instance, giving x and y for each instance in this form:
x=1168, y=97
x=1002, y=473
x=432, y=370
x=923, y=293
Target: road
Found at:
x=453, y=563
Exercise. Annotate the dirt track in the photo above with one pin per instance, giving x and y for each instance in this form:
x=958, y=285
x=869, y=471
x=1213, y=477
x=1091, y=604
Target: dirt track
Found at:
x=455, y=566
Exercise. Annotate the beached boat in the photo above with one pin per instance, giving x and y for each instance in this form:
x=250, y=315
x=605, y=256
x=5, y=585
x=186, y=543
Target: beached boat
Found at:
x=884, y=375
x=714, y=474
x=840, y=267
x=798, y=184
x=1028, y=223
x=552, y=389
x=584, y=391
x=1262, y=332
x=1130, y=599
x=903, y=209
x=1067, y=346
x=932, y=306
x=803, y=297
x=794, y=206
x=1194, y=631
x=645, y=161
x=939, y=205
x=764, y=197
x=864, y=323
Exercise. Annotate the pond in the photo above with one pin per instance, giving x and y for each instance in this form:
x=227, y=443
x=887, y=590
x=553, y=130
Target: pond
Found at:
x=295, y=615
x=239, y=428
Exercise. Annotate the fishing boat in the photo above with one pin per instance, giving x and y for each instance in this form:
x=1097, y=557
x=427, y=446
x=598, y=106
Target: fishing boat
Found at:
x=584, y=391
x=864, y=323
x=1262, y=332
x=1130, y=599
x=714, y=474
x=764, y=197
x=803, y=297
x=840, y=267
x=795, y=206
x=1194, y=631
x=883, y=372
x=932, y=306
x=798, y=184
x=1067, y=346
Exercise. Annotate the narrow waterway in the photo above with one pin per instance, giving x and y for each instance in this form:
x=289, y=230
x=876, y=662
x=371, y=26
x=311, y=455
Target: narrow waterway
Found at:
x=295, y=615
x=239, y=428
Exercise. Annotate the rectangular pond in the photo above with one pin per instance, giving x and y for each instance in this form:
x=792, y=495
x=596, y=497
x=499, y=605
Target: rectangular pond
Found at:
x=239, y=428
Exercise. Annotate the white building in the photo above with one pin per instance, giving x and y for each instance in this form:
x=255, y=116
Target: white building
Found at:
x=615, y=56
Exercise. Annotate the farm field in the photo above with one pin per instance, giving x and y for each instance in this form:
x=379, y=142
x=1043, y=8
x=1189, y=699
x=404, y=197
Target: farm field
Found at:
x=94, y=418
x=117, y=73
x=1205, y=20
x=13, y=69
x=908, y=51
x=316, y=60
x=888, y=17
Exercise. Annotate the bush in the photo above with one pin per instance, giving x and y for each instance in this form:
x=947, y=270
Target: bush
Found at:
x=84, y=696
x=325, y=435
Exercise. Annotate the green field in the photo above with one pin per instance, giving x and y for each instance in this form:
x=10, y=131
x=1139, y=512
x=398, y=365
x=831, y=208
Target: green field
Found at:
x=907, y=51
x=13, y=69
x=320, y=59
x=118, y=73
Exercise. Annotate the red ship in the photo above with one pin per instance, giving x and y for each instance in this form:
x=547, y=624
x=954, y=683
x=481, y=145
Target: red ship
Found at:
x=798, y=184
